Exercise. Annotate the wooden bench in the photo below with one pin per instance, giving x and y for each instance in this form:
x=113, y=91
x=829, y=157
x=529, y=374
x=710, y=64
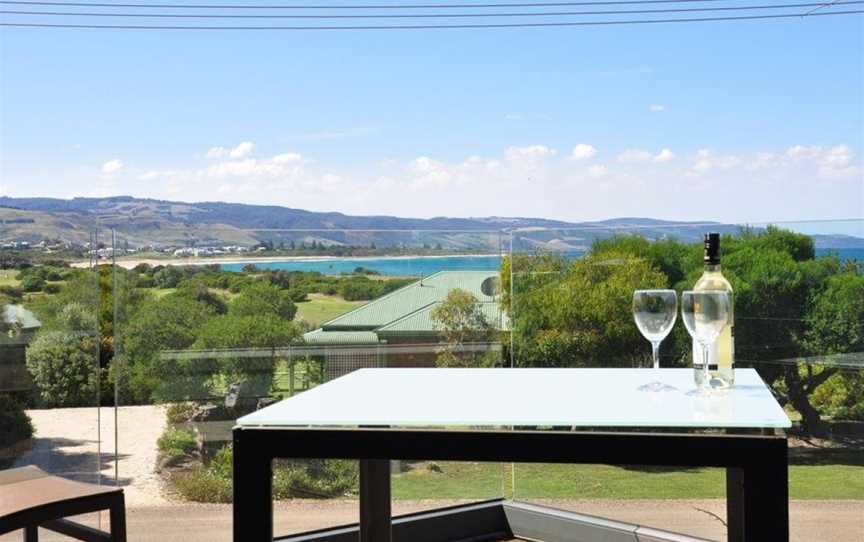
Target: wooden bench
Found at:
x=31, y=498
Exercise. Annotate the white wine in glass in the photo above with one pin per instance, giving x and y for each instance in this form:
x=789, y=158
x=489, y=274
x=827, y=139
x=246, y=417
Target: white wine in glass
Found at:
x=655, y=312
x=706, y=313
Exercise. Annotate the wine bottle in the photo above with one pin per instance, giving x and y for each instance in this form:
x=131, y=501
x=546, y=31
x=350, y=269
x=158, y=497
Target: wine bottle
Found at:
x=721, y=354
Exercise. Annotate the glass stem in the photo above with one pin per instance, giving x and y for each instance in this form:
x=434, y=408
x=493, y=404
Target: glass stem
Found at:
x=655, y=352
x=706, y=376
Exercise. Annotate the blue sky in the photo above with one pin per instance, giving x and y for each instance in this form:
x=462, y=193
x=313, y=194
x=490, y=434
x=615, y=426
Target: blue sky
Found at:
x=726, y=121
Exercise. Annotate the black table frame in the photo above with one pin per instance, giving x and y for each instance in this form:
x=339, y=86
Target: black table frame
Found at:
x=756, y=467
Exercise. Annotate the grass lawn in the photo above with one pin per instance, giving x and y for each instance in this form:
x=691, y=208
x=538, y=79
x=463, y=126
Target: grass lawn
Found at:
x=321, y=308
x=9, y=277
x=841, y=477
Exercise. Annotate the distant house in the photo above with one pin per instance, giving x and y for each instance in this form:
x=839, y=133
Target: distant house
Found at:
x=20, y=325
x=397, y=330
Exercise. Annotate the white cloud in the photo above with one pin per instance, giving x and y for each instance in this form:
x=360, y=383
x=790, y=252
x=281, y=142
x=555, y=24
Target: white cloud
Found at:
x=656, y=108
x=706, y=160
x=583, y=151
x=530, y=153
x=216, y=152
x=112, y=166
x=242, y=150
x=664, y=155
x=535, y=180
x=639, y=156
x=598, y=170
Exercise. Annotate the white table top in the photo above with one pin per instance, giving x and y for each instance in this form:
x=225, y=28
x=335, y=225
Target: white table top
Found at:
x=507, y=397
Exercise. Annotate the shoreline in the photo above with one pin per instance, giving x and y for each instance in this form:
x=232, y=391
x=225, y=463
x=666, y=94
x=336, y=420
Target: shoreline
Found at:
x=219, y=260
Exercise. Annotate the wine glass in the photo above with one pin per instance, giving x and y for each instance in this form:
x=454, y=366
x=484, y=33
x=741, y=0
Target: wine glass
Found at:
x=705, y=315
x=655, y=312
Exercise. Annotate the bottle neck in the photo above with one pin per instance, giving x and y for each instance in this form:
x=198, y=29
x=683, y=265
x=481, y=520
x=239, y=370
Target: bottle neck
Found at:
x=712, y=267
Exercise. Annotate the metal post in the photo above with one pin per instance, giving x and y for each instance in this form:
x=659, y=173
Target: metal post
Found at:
x=375, y=513
x=253, y=492
x=735, y=504
x=766, y=500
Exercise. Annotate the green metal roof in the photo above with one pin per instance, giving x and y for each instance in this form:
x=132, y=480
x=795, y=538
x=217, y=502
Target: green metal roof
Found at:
x=414, y=297
x=421, y=321
x=19, y=316
x=320, y=336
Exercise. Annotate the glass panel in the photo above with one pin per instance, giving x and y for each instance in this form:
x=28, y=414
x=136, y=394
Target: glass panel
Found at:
x=799, y=318
x=217, y=323
x=52, y=318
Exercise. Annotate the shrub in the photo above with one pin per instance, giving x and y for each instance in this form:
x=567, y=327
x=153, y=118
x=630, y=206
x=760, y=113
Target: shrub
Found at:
x=310, y=478
x=15, y=427
x=32, y=283
x=177, y=442
x=52, y=288
x=180, y=412
x=202, y=485
x=65, y=367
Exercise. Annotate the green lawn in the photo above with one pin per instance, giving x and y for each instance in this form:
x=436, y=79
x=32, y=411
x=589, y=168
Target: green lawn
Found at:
x=321, y=308
x=9, y=277
x=840, y=477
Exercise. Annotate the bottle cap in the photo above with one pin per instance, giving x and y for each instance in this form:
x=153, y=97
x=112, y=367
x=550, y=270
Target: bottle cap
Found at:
x=712, y=248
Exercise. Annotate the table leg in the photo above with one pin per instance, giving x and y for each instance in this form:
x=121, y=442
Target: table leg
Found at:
x=735, y=504
x=253, y=493
x=117, y=514
x=375, y=510
x=766, y=501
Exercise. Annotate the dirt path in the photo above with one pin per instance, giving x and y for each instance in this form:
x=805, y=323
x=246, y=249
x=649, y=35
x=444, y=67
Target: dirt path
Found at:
x=67, y=444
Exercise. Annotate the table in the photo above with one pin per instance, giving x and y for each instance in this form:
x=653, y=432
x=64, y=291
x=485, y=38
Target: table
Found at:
x=375, y=415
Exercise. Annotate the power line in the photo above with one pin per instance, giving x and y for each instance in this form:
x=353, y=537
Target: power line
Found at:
x=822, y=5
x=435, y=27
x=427, y=15
x=361, y=6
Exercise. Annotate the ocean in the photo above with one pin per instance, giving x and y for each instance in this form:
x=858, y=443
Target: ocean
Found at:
x=422, y=266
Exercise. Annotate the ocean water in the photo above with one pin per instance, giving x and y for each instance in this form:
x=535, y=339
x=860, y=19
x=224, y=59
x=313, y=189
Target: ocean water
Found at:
x=425, y=266
x=394, y=267
x=842, y=253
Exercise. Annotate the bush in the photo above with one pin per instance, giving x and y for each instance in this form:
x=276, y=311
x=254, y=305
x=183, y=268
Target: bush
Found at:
x=177, y=442
x=180, y=412
x=310, y=478
x=52, y=288
x=12, y=292
x=65, y=367
x=202, y=485
x=32, y=283
x=15, y=427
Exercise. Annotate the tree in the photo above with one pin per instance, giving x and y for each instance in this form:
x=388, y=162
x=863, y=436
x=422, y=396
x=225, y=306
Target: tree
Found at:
x=32, y=283
x=168, y=277
x=164, y=325
x=263, y=298
x=834, y=325
x=461, y=320
x=64, y=361
x=577, y=314
x=198, y=291
x=258, y=335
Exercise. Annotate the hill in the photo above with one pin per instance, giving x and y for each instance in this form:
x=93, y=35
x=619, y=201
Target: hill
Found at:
x=143, y=222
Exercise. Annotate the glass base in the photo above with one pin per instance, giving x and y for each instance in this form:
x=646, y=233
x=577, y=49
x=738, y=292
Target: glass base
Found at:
x=656, y=386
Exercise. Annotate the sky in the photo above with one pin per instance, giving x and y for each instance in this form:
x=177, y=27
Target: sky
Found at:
x=731, y=121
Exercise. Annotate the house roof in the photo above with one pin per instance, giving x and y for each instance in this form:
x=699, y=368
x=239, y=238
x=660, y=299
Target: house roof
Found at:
x=415, y=296
x=319, y=336
x=422, y=321
x=21, y=317
x=408, y=310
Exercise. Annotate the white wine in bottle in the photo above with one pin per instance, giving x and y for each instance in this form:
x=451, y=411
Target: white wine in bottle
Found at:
x=721, y=354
